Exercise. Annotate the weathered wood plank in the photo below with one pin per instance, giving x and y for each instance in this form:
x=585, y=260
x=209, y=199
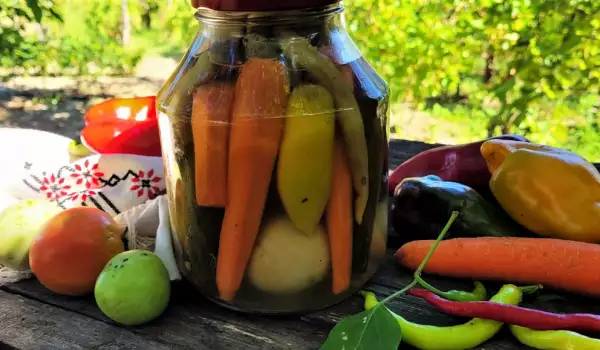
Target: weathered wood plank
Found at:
x=193, y=321
x=29, y=324
x=402, y=150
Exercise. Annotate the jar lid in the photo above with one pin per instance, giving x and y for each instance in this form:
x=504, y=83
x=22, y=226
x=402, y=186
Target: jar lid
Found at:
x=260, y=5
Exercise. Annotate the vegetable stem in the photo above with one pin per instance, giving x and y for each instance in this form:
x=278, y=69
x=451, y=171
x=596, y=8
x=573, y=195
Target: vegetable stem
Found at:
x=531, y=289
x=368, y=325
x=417, y=274
x=478, y=294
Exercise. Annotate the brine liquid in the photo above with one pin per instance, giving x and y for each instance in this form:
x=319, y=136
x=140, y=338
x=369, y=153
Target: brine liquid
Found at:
x=196, y=229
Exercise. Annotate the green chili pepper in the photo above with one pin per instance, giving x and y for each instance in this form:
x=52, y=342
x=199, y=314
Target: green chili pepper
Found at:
x=478, y=294
x=554, y=340
x=461, y=337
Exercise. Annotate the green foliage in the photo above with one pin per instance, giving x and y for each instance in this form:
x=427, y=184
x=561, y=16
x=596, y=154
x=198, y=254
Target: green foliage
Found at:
x=36, y=39
x=173, y=29
x=18, y=22
x=568, y=124
x=490, y=66
x=89, y=40
x=519, y=50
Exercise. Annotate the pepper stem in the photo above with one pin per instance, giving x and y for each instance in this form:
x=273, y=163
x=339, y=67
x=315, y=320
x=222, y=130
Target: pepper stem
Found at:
x=417, y=274
x=436, y=243
x=430, y=288
x=531, y=289
x=478, y=294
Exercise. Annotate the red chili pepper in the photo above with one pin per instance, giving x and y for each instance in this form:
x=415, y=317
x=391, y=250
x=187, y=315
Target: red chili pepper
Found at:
x=510, y=314
x=123, y=125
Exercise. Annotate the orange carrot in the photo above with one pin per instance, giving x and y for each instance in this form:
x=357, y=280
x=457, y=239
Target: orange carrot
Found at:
x=211, y=113
x=256, y=131
x=340, y=220
x=562, y=264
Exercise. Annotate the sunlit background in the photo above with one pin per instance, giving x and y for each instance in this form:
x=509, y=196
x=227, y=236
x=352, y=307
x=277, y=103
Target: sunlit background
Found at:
x=459, y=70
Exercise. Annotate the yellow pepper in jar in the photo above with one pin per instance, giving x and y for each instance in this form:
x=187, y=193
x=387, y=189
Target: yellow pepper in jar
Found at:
x=551, y=191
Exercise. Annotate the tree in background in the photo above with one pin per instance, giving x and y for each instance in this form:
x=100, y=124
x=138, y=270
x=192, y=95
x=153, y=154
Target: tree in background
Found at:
x=21, y=35
x=125, y=23
x=530, y=66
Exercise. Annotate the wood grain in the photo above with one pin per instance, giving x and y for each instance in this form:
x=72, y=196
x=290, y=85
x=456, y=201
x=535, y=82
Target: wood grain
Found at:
x=193, y=321
x=29, y=324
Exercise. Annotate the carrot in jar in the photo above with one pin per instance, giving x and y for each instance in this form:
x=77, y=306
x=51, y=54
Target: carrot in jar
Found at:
x=211, y=114
x=339, y=219
x=256, y=130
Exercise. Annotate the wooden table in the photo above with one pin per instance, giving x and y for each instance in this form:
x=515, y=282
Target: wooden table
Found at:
x=33, y=318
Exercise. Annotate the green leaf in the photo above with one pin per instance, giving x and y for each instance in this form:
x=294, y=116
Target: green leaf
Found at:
x=55, y=14
x=372, y=329
x=20, y=12
x=34, y=6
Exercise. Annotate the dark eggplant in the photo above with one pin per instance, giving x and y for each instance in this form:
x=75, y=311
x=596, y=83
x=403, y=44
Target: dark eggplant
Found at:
x=421, y=207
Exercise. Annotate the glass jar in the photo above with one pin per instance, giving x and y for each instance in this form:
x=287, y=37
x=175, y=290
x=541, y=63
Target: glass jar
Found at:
x=274, y=136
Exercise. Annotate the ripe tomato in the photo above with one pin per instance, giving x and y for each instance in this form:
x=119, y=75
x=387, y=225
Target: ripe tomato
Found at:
x=73, y=247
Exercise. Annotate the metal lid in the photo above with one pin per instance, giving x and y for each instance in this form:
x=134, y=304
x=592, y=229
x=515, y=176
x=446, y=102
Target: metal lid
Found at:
x=260, y=5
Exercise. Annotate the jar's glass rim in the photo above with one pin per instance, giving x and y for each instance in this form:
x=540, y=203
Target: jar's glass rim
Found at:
x=208, y=15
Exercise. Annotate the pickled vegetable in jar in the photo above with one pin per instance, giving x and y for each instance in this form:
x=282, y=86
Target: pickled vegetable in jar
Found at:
x=274, y=136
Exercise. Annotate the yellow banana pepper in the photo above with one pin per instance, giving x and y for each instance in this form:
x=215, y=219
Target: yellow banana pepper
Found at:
x=550, y=191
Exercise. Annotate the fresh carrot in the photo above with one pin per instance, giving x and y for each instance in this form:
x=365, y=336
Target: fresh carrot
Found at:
x=561, y=264
x=256, y=129
x=211, y=113
x=340, y=220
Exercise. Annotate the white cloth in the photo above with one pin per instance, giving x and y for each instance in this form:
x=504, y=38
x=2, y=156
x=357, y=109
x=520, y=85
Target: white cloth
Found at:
x=149, y=228
x=22, y=151
x=36, y=164
x=164, y=246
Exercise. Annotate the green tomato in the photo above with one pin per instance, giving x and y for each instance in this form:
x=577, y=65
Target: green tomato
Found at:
x=134, y=288
x=19, y=224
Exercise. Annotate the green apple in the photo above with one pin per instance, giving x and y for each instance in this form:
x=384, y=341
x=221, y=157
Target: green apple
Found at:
x=19, y=224
x=133, y=288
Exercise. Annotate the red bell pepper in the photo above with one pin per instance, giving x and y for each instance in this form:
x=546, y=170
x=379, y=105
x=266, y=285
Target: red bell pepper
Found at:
x=123, y=125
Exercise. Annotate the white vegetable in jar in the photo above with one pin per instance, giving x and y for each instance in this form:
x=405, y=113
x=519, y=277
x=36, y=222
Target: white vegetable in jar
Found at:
x=286, y=260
